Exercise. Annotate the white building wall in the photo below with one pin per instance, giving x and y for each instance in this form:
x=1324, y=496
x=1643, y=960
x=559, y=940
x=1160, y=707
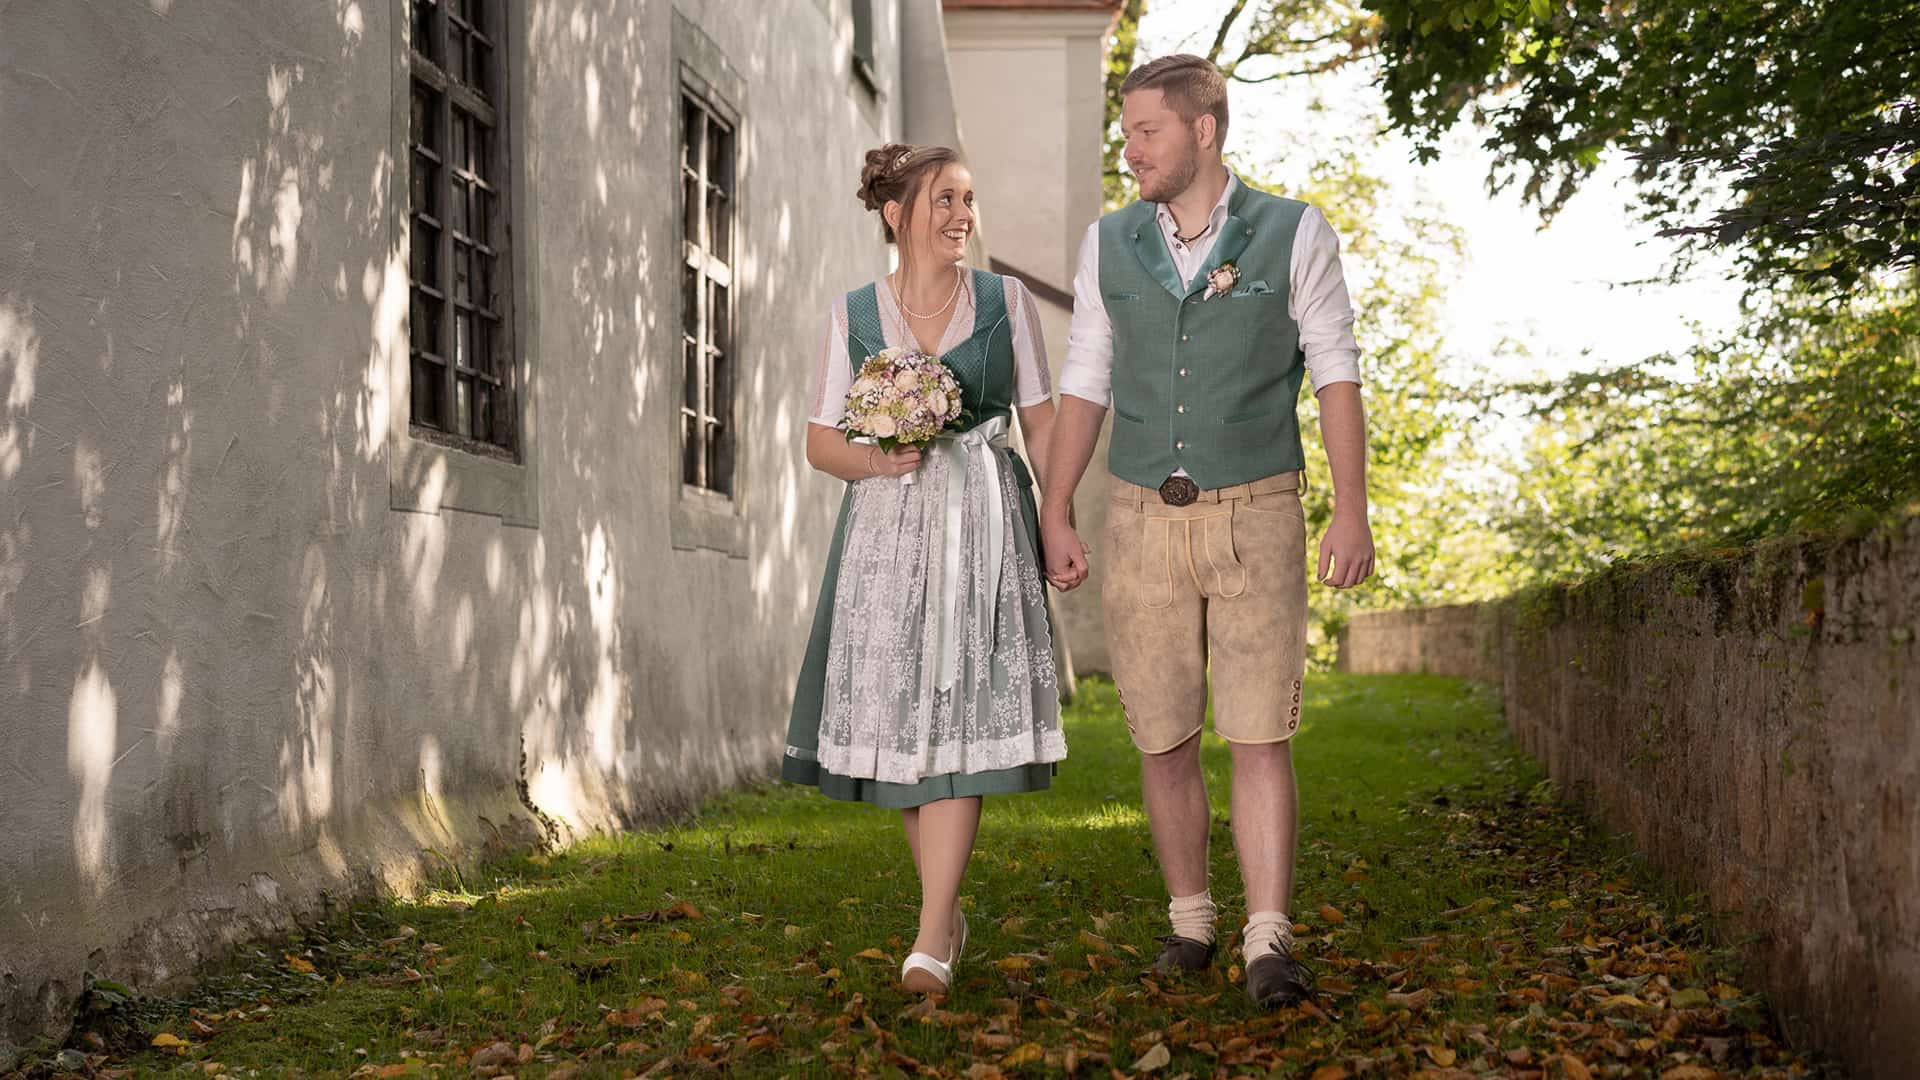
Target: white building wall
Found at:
x=256, y=640
x=1028, y=87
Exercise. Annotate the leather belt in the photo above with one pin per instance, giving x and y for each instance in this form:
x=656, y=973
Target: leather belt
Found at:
x=1179, y=491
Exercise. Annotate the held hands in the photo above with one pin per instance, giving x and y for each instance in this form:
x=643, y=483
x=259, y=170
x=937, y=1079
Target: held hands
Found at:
x=1347, y=548
x=1066, y=554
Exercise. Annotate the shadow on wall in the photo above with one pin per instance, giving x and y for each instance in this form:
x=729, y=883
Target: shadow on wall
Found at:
x=257, y=660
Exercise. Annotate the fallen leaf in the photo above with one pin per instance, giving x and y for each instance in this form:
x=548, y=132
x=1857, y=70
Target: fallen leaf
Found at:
x=1415, y=1000
x=872, y=954
x=1335, y=1071
x=494, y=1056
x=303, y=966
x=1094, y=941
x=1156, y=1058
x=1025, y=1054
x=1442, y=1056
x=166, y=1040
x=1689, y=1072
x=638, y=1013
x=1332, y=915
x=1576, y=1069
x=1691, y=998
x=1013, y=965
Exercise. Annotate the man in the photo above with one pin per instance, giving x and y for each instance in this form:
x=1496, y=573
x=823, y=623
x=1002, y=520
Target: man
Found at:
x=1197, y=311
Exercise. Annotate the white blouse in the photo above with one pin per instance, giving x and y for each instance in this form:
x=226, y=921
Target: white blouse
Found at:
x=1032, y=382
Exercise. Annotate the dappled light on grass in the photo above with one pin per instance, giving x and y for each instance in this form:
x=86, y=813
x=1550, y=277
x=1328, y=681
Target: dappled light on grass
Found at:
x=1458, y=919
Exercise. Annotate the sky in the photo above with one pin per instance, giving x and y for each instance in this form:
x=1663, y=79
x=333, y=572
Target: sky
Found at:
x=1562, y=292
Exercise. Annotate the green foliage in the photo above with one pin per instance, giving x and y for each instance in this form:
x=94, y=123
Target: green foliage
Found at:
x=1803, y=107
x=1424, y=474
x=1809, y=420
x=1122, y=47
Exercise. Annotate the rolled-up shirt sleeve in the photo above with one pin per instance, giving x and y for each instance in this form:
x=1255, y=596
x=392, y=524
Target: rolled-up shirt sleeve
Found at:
x=1087, y=372
x=1319, y=303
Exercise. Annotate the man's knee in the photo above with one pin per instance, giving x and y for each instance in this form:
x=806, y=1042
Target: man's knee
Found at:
x=1275, y=755
x=1180, y=760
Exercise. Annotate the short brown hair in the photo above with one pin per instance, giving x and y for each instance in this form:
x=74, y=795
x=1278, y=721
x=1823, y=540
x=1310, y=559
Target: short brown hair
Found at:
x=1192, y=86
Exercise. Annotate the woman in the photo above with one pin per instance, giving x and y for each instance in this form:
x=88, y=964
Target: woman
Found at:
x=929, y=679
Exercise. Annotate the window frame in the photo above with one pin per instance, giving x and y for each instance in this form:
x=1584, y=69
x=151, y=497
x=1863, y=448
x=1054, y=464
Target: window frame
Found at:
x=429, y=470
x=708, y=256
x=702, y=520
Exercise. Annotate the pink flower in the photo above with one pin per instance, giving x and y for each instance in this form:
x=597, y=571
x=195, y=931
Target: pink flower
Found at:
x=884, y=426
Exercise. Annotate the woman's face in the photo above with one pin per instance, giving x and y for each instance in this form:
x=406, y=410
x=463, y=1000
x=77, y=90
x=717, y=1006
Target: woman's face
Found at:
x=943, y=217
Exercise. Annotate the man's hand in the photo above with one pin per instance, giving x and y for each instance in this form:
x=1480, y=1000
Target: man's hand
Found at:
x=1066, y=555
x=1347, y=548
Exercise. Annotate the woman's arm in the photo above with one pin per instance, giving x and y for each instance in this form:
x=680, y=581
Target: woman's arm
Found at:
x=829, y=451
x=1036, y=430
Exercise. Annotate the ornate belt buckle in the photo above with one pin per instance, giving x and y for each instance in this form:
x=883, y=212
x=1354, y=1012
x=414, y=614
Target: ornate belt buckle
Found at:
x=1179, y=491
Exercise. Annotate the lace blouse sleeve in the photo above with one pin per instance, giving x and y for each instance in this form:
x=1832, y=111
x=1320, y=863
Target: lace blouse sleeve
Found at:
x=834, y=372
x=1032, y=382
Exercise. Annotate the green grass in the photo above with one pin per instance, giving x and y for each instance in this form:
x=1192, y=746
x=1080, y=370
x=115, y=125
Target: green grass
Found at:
x=1456, y=915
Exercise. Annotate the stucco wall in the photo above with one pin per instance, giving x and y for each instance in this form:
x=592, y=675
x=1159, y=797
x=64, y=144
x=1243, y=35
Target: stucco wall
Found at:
x=1039, y=182
x=232, y=674
x=1754, y=722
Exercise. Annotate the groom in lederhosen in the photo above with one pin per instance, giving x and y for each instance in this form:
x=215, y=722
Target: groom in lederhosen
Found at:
x=1197, y=312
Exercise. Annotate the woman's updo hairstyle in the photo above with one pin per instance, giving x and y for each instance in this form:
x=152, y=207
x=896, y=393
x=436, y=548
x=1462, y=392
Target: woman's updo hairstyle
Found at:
x=895, y=173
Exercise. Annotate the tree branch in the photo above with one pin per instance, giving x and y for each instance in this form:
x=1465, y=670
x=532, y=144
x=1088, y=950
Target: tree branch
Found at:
x=1226, y=24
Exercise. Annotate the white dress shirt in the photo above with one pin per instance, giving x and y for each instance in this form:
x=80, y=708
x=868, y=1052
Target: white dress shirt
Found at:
x=1317, y=299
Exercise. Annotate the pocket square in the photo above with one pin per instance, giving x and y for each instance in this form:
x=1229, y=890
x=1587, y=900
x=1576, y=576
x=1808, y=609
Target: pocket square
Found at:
x=1256, y=287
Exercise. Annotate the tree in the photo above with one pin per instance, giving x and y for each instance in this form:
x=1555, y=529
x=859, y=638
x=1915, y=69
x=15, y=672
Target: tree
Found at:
x=1808, y=421
x=1803, y=108
x=1785, y=130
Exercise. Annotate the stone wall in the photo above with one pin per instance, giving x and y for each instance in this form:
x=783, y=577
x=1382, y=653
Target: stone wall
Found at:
x=1753, y=720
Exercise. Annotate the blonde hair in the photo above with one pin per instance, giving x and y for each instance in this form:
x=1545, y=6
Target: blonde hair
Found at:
x=1192, y=85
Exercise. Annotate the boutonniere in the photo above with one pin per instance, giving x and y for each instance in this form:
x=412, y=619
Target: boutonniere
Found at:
x=1222, y=280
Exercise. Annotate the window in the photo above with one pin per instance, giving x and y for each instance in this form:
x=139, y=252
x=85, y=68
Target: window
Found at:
x=459, y=338
x=863, y=41
x=707, y=216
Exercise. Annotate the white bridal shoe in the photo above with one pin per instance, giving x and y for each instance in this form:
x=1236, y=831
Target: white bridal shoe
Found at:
x=922, y=974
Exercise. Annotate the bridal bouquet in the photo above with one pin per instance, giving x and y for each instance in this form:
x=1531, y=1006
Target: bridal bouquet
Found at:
x=902, y=397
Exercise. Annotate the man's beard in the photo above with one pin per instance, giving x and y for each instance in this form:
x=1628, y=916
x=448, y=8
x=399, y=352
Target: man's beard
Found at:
x=1173, y=180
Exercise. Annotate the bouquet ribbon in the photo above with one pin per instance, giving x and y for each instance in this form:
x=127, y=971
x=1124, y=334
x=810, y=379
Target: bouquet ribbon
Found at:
x=978, y=443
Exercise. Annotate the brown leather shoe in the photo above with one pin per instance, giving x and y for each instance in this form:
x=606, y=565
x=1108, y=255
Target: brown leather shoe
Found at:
x=1178, y=954
x=1276, y=978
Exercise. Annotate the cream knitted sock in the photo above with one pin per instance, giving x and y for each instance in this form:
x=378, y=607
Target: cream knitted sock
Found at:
x=1265, y=929
x=1193, y=916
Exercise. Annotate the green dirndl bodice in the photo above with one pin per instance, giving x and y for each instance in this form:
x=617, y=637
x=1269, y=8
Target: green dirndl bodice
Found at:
x=983, y=365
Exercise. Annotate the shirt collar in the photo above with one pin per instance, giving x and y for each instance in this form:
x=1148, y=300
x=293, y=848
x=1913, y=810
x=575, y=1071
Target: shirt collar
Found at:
x=1214, y=219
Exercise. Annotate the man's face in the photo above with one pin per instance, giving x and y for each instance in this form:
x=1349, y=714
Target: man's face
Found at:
x=1163, y=151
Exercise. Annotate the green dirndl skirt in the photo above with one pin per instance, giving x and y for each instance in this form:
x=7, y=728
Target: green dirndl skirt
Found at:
x=801, y=764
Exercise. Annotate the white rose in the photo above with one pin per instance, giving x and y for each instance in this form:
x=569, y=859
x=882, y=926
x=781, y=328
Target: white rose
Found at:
x=884, y=427
x=937, y=404
x=906, y=380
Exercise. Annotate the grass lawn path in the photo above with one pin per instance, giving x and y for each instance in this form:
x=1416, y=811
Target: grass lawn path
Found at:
x=1461, y=923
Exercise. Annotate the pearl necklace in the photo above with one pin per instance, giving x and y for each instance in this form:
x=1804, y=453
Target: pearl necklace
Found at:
x=901, y=295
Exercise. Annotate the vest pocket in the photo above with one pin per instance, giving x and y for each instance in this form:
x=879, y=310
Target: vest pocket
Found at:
x=1122, y=414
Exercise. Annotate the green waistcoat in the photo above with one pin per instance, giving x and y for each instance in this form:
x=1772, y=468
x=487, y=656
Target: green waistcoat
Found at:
x=1208, y=385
